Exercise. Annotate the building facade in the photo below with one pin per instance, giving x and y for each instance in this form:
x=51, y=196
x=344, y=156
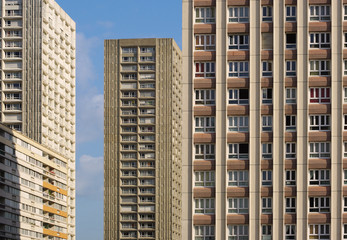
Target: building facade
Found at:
x=265, y=120
x=142, y=140
x=37, y=78
x=33, y=190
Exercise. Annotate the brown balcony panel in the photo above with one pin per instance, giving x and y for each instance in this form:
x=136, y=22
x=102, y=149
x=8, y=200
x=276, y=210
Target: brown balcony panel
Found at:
x=318, y=2
x=266, y=219
x=204, y=192
x=205, y=56
x=238, y=55
x=266, y=109
x=345, y=159
x=319, y=109
x=290, y=136
x=237, y=165
x=237, y=219
x=319, y=163
x=290, y=109
x=290, y=54
x=290, y=81
x=237, y=192
x=319, y=81
x=205, y=83
x=344, y=191
x=238, y=110
x=204, y=28
x=266, y=27
x=319, y=191
x=320, y=54
x=238, y=2
x=238, y=137
x=345, y=81
x=266, y=164
x=291, y=2
x=203, y=219
x=204, y=165
x=344, y=108
x=204, y=111
x=204, y=137
x=266, y=2
x=266, y=82
x=344, y=26
x=238, y=27
x=204, y=3
x=319, y=136
x=318, y=218
x=266, y=137
x=266, y=192
x=344, y=53
x=290, y=191
x=319, y=26
x=238, y=82
x=266, y=55
x=290, y=27
x=344, y=218
x=289, y=218
x=344, y=1
x=290, y=164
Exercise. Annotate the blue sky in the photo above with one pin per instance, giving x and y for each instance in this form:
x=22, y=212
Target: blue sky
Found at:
x=96, y=21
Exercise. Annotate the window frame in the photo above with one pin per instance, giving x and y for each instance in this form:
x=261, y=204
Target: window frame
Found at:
x=319, y=204
x=266, y=205
x=242, y=69
x=319, y=177
x=267, y=96
x=204, y=232
x=205, y=70
x=291, y=68
x=238, y=42
x=290, y=17
x=204, y=179
x=234, y=96
x=266, y=151
x=204, y=151
x=238, y=178
x=267, y=68
x=241, y=12
x=238, y=124
x=290, y=95
x=205, y=124
x=290, y=232
x=208, y=40
x=290, y=205
x=290, y=123
x=320, y=68
x=267, y=13
x=320, y=40
x=238, y=232
x=267, y=123
x=204, y=206
x=315, y=231
x=319, y=123
x=266, y=180
x=319, y=150
x=205, y=97
x=290, y=150
x=316, y=13
x=235, y=153
x=320, y=95
x=290, y=177
x=238, y=205
x=205, y=15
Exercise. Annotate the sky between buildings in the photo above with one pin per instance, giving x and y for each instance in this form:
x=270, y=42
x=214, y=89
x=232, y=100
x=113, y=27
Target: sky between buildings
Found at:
x=96, y=21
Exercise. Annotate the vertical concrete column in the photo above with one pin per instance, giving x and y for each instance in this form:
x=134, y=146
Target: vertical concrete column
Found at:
x=336, y=119
x=278, y=118
x=254, y=120
x=302, y=113
x=220, y=201
x=188, y=119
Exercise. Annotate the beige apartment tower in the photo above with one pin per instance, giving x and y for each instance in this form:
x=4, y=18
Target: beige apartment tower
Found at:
x=142, y=141
x=37, y=80
x=265, y=119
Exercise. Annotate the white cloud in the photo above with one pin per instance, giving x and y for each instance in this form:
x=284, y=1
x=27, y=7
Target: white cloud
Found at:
x=90, y=176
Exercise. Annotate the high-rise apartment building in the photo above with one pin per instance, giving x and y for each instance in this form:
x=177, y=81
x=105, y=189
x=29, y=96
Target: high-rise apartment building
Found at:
x=265, y=120
x=34, y=190
x=37, y=78
x=142, y=155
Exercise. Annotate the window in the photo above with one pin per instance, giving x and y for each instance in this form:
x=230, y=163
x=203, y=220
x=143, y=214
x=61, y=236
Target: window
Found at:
x=319, y=231
x=238, y=232
x=291, y=40
x=204, y=15
x=345, y=149
x=205, y=97
x=204, y=124
x=290, y=123
x=267, y=96
x=267, y=150
x=320, y=177
x=267, y=41
x=290, y=205
x=238, y=179
x=129, y=50
x=147, y=49
x=238, y=124
x=290, y=95
x=345, y=68
x=319, y=13
x=345, y=122
x=290, y=68
x=319, y=122
x=319, y=150
x=267, y=123
x=290, y=177
x=345, y=177
x=238, y=96
x=204, y=179
x=238, y=151
x=345, y=95
x=320, y=40
x=320, y=204
x=345, y=204
x=267, y=69
x=204, y=232
x=238, y=14
x=205, y=70
x=238, y=42
x=319, y=95
x=238, y=205
x=320, y=68
x=266, y=232
x=266, y=178
x=204, y=152
x=291, y=13
x=290, y=232
x=345, y=40
x=205, y=42
x=267, y=14
x=238, y=69
x=345, y=231
x=344, y=12
x=290, y=150
x=266, y=205
x=204, y=205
